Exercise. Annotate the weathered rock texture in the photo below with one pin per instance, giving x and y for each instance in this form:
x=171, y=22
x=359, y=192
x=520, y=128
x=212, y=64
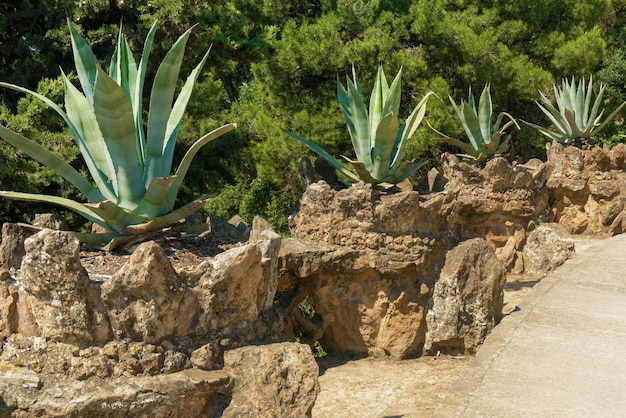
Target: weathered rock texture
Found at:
x=190, y=393
x=144, y=298
x=366, y=264
x=588, y=188
x=498, y=203
x=278, y=380
x=144, y=340
x=57, y=286
x=365, y=272
x=546, y=249
x=467, y=299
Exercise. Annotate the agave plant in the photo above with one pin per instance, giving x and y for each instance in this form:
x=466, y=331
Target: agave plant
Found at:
x=378, y=137
x=134, y=191
x=485, y=139
x=574, y=117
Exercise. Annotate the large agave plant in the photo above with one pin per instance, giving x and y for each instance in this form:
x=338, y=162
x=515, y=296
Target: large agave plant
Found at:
x=378, y=137
x=135, y=190
x=486, y=138
x=574, y=117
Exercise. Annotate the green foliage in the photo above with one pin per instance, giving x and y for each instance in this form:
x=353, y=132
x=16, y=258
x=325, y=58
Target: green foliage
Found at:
x=574, y=117
x=307, y=310
x=226, y=204
x=251, y=199
x=486, y=139
x=275, y=66
x=255, y=200
x=35, y=120
x=581, y=55
x=131, y=167
x=378, y=137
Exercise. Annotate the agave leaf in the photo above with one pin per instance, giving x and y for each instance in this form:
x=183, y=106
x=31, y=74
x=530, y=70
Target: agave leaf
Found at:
x=574, y=131
x=460, y=113
x=114, y=114
x=455, y=142
x=82, y=209
x=470, y=99
x=384, y=146
x=176, y=117
x=161, y=99
x=117, y=218
x=50, y=160
x=588, y=117
x=504, y=146
x=89, y=139
x=472, y=122
x=578, y=100
x=511, y=121
x=393, y=95
x=152, y=204
x=355, y=114
x=320, y=151
x=555, y=116
x=409, y=127
x=96, y=238
x=138, y=93
x=403, y=171
x=596, y=107
x=362, y=172
x=85, y=62
x=169, y=218
x=123, y=68
x=90, y=238
x=607, y=119
x=183, y=167
x=484, y=114
x=377, y=103
x=559, y=137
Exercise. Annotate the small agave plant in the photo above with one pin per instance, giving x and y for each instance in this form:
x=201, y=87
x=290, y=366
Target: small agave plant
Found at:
x=486, y=138
x=574, y=117
x=134, y=191
x=378, y=137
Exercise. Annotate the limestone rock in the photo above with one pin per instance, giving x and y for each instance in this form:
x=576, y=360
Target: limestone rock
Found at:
x=206, y=357
x=12, y=247
x=232, y=229
x=276, y=380
x=19, y=377
x=402, y=327
x=467, y=298
x=588, y=188
x=269, y=243
x=50, y=221
x=190, y=393
x=228, y=289
x=143, y=299
x=37, y=354
x=8, y=304
x=498, y=202
x=359, y=217
x=363, y=302
x=546, y=249
x=57, y=287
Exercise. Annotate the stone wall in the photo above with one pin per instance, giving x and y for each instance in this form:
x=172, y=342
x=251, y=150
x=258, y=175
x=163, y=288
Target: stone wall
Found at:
x=149, y=339
x=365, y=272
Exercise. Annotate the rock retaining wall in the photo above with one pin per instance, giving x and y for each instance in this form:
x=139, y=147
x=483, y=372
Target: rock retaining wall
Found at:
x=365, y=272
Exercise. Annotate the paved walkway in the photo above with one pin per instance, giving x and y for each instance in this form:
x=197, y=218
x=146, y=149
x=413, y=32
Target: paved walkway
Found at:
x=562, y=354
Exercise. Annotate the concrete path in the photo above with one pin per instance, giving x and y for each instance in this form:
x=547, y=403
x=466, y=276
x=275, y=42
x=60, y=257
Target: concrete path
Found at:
x=562, y=353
